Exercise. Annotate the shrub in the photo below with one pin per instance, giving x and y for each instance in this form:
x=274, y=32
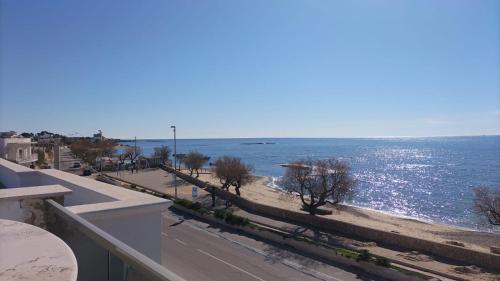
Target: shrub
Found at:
x=196, y=206
x=220, y=214
x=364, y=255
x=382, y=262
x=236, y=220
x=184, y=202
x=203, y=210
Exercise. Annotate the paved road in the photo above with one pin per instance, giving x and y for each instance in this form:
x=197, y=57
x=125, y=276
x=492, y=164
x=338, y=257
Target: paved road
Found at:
x=198, y=251
x=67, y=161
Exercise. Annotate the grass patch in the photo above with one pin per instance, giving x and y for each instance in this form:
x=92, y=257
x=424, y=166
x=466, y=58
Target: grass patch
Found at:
x=347, y=253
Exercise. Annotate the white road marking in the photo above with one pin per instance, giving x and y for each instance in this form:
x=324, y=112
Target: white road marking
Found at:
x=305, y=270
x=180, y=241
x=231, y=265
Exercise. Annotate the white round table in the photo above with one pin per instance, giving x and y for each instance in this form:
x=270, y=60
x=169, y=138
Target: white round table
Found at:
x=28, y=252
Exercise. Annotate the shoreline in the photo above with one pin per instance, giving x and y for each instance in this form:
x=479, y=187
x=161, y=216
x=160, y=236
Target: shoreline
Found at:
x=270, y=182
x=481, y=240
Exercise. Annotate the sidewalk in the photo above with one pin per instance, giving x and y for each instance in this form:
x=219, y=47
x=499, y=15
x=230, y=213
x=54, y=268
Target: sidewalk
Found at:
x=161, y=181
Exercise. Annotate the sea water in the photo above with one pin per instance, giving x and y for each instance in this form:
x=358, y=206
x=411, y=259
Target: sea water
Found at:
x=425, y=178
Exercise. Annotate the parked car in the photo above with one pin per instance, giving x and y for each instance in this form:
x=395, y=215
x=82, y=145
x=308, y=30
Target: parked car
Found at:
x=87, y=172
x=76, y=165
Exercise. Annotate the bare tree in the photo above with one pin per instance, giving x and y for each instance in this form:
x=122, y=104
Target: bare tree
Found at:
x=162, y=152
x=133, y=153
x=318, y=181
x=122, y=156
x=194, y=161
x=232, y=172
x=487, y=203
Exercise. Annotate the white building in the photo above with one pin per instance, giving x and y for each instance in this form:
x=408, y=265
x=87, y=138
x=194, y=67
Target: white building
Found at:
x=17, y=149
x=112, y=231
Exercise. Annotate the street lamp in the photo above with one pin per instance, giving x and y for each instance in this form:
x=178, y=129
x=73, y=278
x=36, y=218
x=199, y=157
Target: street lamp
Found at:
x=175, y=161
x=100, y=144
x=175, y=149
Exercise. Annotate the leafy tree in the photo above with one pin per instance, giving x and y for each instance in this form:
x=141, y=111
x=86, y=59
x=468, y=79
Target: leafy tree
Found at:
x=41, y=156
x=194, y=161
x=487, y=203
x=84, y=149
x=106, y=147
x=88, y=151
x=162, y=152
x=232, y=172
x=318, y=181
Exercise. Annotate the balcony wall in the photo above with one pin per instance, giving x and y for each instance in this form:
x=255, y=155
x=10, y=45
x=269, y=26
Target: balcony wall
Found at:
x=132, y=217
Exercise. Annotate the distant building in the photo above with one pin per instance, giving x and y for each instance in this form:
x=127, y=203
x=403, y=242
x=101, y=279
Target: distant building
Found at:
x=98, y=136
x=17, y=149
x=9, y=134
x=45, y=138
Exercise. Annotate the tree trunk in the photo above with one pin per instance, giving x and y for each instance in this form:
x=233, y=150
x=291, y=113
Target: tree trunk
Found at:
x=213, y=196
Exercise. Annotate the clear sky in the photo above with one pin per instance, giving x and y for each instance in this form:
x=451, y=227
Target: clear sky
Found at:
x=256, y=68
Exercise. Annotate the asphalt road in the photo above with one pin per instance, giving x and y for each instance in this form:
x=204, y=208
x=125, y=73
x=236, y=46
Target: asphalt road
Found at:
x=67, y=161
x=199, y=251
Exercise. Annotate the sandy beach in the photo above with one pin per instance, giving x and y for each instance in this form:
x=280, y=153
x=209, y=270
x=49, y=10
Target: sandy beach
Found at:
x=259, y=191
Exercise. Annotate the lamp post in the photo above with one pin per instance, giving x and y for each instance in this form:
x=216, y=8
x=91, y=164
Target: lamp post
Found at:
x=175, y=161
x=101, y=145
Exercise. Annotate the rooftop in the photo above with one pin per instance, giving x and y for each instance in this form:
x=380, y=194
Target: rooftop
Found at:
x=86, y=218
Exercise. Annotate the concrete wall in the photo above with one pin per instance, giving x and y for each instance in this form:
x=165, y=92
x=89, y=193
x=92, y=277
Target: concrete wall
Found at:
x=140, y=228
x=130, y=216
x=27, y=204
x=10, y=173
x=81, y=194
x=13, y=175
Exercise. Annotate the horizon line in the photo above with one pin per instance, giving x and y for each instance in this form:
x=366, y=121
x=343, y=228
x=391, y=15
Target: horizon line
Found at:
x=358, y=137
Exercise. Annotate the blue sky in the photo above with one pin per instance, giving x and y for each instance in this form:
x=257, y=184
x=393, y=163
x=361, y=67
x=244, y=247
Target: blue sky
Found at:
x=251, y=68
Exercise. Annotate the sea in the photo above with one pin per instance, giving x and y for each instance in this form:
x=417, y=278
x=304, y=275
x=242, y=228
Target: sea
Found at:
x=430, y=179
